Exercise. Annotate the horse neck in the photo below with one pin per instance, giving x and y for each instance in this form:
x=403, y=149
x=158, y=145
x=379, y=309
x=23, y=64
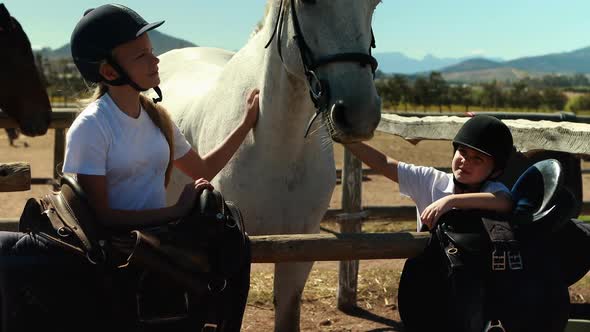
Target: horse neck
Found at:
x=285, y=104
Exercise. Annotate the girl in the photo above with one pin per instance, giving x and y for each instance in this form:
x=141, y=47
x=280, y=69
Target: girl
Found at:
x=123, y=146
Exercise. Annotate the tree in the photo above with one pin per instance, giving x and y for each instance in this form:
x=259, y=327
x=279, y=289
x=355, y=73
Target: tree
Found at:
x=517, y=94
x=491, y=95
x=391, y=90
x=421, y=95
x=383, y=91
x=580, y=80
x=461, y=95
x=438, y=89
x=554, y=99
x=580, y=103
x=405, y=93
x=533, y=98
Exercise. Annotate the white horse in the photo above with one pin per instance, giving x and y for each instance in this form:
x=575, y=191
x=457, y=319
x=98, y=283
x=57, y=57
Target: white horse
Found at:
x=282, y=181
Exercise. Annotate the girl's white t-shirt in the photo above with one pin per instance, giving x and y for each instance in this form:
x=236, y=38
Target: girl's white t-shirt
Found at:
x=132, y=154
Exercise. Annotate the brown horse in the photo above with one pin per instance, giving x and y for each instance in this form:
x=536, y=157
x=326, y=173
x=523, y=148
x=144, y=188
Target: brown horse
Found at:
x=22, y=94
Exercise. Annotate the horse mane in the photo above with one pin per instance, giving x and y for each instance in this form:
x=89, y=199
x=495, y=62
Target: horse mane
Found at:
x=260, y=25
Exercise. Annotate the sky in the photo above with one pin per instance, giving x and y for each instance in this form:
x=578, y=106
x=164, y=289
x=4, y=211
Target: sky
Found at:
x=506, y=29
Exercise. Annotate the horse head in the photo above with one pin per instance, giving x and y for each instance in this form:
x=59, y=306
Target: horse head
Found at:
x=22, y=94
x=327, y=44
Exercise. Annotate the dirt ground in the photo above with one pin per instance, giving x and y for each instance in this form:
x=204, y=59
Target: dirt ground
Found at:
x=377, y=279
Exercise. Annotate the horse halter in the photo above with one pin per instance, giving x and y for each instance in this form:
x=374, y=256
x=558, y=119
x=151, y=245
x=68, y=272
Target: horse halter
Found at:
x=319, y=89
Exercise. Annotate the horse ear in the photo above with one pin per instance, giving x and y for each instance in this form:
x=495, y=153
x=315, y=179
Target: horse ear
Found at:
x=5, y=21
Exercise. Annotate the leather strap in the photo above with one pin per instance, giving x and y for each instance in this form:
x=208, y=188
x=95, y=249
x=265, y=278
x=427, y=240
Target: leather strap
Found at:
x=506, y=247
x=215, y=306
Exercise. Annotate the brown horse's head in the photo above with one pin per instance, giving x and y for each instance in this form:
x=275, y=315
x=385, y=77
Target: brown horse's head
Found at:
x=22, y=94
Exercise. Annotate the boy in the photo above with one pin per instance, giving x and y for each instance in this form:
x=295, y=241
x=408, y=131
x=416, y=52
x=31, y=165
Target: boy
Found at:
x=482, y=147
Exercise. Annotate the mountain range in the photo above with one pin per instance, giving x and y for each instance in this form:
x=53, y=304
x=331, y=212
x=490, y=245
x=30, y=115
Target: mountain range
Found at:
x=463, y=69
x=477, y=69
x=161, y=43
x=399, y=63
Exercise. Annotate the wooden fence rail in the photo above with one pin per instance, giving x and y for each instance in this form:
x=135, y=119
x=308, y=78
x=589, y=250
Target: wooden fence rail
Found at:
x=336, y=247
x=61, y=119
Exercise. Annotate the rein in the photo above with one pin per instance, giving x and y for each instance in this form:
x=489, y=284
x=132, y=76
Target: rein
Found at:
x=319, y=89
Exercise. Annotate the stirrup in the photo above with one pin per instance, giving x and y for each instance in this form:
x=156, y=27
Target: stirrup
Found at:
x=515, y=260
x=494, y=326
x=498, y=261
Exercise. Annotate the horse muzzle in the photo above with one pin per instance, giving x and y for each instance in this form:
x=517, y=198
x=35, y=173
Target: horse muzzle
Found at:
x=351, y=122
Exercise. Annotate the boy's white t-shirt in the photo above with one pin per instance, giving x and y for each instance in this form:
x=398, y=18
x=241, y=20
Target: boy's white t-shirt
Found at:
x=425, y=185
x=132, y=154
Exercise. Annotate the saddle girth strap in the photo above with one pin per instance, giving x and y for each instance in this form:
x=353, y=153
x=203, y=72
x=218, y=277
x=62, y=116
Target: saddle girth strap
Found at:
x=505, y=246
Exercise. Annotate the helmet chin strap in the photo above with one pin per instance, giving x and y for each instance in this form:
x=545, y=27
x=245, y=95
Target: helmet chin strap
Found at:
x=125, y=79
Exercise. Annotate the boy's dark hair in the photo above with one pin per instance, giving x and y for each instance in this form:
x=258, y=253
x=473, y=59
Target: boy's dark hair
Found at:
x=487, y=135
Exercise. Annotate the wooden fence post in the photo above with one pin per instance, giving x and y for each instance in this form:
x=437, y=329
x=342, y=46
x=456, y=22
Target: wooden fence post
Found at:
x=350, y=222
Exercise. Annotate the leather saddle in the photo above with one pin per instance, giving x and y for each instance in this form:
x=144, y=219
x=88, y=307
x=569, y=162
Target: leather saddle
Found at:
x=542, y=206
x=488, y=265
x=200, y=253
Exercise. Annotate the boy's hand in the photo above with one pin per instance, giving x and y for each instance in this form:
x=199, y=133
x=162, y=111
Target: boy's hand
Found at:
x=432, y=213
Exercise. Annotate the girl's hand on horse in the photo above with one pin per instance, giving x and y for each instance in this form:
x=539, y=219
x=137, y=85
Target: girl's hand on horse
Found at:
x=252, y=108
x=189, y=195
x=202, y=184
x=432, y=213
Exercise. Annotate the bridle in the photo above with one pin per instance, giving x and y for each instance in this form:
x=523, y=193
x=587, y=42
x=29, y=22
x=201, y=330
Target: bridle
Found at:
x=319, y=89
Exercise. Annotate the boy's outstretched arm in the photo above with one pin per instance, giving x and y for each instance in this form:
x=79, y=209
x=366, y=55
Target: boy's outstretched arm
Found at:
x=500, y=202
x=375, y=159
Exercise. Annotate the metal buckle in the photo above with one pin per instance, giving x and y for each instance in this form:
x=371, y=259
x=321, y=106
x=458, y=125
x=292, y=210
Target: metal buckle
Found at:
x=494, y=326
x=315, y=85
x=498, y=261
x=515, y=260
x=208, y=327
x=63, y=231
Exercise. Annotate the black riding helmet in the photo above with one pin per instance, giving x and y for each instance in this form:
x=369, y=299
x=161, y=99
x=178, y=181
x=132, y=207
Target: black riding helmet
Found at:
x=98, y=32
x=487, y=135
